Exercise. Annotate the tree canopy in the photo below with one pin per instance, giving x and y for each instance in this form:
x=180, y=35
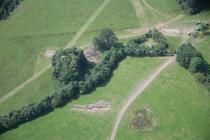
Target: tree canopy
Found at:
x=197, y=64
x=193, y=6
x=69, y=65
x=105, y=40
x=185, y=53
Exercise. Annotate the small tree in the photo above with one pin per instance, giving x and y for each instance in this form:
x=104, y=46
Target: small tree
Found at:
x=204, y=28
x=69, y=65
x=185, y=53
x=197, y=64
x=200, y=77
x=105, y=40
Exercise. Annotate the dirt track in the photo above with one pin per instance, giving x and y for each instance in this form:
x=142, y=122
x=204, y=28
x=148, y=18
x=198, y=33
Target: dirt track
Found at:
x=138, y=8
x=127, y=34
x=136, y=92
x=70, y=44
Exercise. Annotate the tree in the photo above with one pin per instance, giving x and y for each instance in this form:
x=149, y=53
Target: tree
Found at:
x=200, y=77
x=197, y=64
x=185, y=53
x=105, y=40
x=204, y=28
x=193, y=6
x=69, y=65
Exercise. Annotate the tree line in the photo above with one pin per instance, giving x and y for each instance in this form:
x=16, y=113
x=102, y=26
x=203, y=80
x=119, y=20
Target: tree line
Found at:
x=191, y=7
x=7, y=6
x=192, y=60
x=75, y=77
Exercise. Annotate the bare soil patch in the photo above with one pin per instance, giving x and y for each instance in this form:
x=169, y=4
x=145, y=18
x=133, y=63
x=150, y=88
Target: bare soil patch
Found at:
x=92, y=55
x=49, y=53
x=143, y=120
x=100, y=106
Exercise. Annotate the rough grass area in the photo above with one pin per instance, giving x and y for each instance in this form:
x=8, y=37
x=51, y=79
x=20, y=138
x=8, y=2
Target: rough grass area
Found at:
x=34, y=92
x=66, y=124
x=181, y=104
x=34, y=26
x=174, y=42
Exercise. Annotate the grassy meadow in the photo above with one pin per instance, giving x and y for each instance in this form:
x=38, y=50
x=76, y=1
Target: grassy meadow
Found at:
x=181, y=104
x=33, y=27
x=66, y=124
x=182, y=109
x=44, y=85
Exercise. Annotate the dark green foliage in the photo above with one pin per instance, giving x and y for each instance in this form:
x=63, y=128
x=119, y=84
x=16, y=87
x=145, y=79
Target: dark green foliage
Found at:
x=32, y=111
x=69, y=65
x=193, y=6
x=200, y=77
x=105, y=40
x=7, y=6
x=185, y=53
x=197, y=64
x=204, y=28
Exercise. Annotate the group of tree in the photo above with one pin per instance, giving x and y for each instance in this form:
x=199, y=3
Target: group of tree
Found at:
x=69, y=65
x=7, y=6
x=32, y=111
x=192, y=60
x=193, y=6
x=70, y=69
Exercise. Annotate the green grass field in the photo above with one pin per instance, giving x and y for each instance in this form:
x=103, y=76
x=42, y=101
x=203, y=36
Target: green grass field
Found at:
x=118, y=15
x=182, y=108
x=66, y=124
x=181, y=104
x=44, y=85
x=34, y=92
x=34, y=26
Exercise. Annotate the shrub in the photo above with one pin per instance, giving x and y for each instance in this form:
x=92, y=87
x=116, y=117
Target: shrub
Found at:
x=197, y=64
x=200, y=77
x=185, y=53
x=193, y=6
x=69, y=65
x=105, y=40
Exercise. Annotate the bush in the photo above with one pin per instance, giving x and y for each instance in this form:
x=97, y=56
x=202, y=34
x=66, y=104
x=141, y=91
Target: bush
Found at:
x=197, y=64
x=7, y=6
x=69, y=65
x=105, y=40
x=193, y=6
x=185, y=53
x=200, y=77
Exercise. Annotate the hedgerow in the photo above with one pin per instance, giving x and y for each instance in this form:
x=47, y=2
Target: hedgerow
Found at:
x=67, y=61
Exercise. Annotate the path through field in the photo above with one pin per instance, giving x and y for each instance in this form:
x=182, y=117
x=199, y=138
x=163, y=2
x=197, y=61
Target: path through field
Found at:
x=138, y=9
x=154, y=11
x=127, y=34
x=136, y=92
x=70, y=44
